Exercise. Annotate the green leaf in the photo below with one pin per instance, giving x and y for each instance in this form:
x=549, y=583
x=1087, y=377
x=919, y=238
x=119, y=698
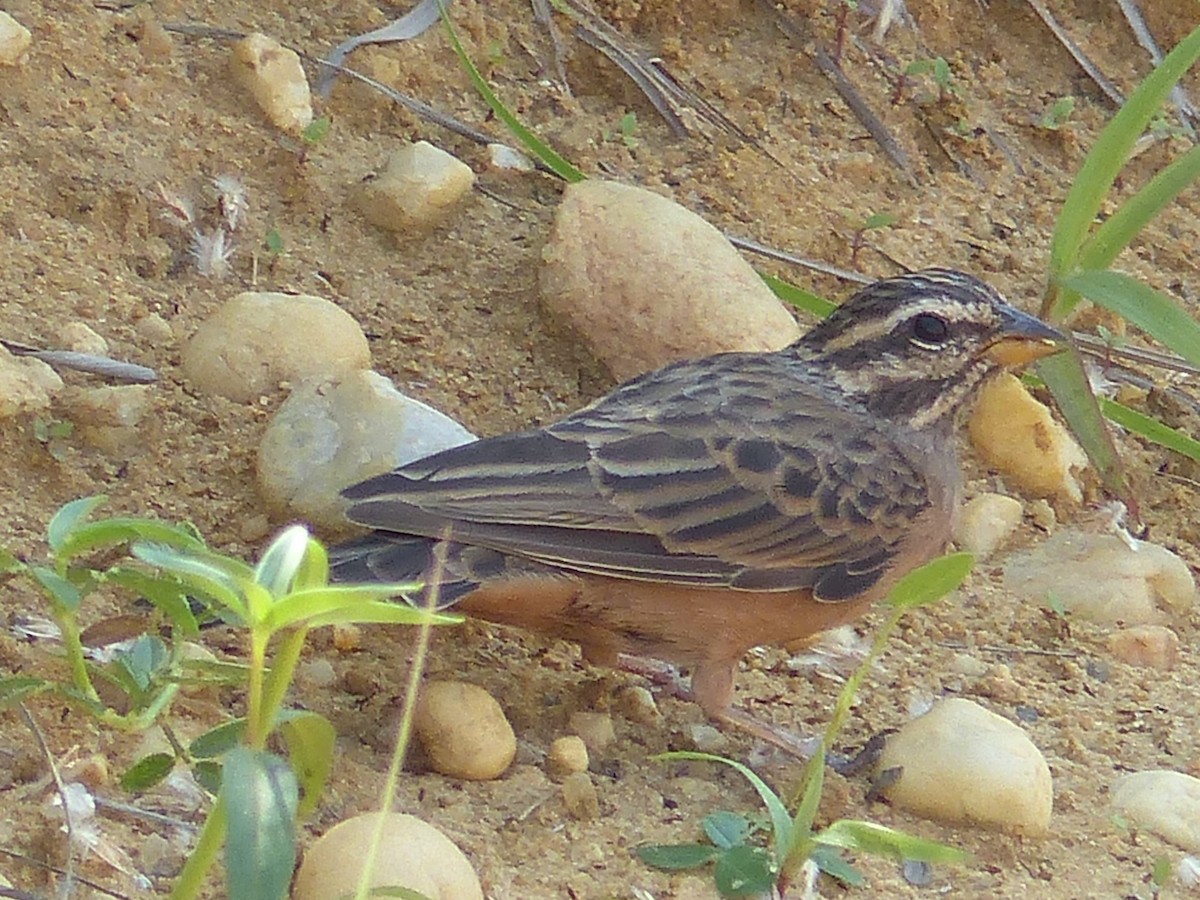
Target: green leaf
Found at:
x=781, y=820
x=726, y=829
x=68, y=518
x=867, y=837
x=207, y=773
x=830, y=861
x=313, y=571
x=806, y=810
x=281, y=561
x=218, y=741
x=1156, y=314
x=62, y=593
x=92, y=536
x=745, y=872
x=1151, y=429
x=1103, y=164
x=347, y=603
x=311, y=740
x=261, y=796
x=215, y=577
x=676, y=857
x=316, y=130
x=16, y=688
x=148, y=771
x=164, y=593
x=798, y=297
x=535, y=145
x=931, y=581
x=9, y=564
x=144, y=660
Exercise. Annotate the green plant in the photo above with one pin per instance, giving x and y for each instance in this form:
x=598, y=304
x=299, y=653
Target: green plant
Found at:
x=1058, y=115
x=743, y=866
x=259, y=794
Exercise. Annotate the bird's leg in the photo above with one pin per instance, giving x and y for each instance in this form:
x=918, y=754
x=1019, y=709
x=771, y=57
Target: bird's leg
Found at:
x=657, y=672
x=712, y=689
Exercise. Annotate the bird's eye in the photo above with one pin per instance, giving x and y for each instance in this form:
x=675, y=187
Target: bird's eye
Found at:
x=929, y=329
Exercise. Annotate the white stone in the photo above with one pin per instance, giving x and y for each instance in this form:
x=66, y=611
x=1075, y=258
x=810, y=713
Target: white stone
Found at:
x=646, y=282
x=418, y=187
x=275, y=79
x=1017, y=436
x=961, y=763
x=15, y=39
x=985, y=522
x=1162, y=801
x=505, y=158
x=412, y=854
x=258, y=339
x=333, y=432
x=26, y=384
x=1099, y=577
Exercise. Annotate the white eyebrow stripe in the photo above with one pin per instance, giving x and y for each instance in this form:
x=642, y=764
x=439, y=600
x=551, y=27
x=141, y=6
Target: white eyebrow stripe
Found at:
x=943, y=306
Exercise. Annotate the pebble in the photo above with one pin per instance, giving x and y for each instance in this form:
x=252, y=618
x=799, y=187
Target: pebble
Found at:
x=1016, y=435
x=418, y=187
x=26, y=384
x=274, y=77
x=1162, y=801
x=963, y=764
x=637, y=704
x=1146, y=646
x=595, y=728
x=1101, y=578
x=155, y=330
x=258, y=339
x=80, y=337
x=580, y=797
x=645, y=282
x=464, y=731
x=705, y=738
x=567, y=755
x=966, y=664
x=985, y=522
x=337, y=431
x=116, y=406
x=15, y=39
x=317, y=672
x=413, y=855
x=507, y=159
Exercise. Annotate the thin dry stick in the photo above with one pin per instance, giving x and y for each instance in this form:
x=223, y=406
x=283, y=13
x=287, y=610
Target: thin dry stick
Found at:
x=1133, y=15
x=1093, y=71
x=69, y=870
x=543, y=16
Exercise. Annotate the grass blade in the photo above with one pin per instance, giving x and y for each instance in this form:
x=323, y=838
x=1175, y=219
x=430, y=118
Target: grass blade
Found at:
x=1068, y=382
x=1151, y=429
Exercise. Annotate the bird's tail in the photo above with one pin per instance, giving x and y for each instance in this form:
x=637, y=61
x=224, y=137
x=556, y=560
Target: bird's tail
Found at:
x=397, y=559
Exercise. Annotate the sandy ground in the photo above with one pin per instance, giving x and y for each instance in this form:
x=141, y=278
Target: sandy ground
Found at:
x=100, y=114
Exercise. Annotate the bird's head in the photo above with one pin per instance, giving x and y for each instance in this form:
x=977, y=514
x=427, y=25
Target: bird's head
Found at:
x=918, y=347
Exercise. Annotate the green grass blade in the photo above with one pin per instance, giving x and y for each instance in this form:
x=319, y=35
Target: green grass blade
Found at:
x=867, y=837
x=1115, y=233
x=1105, y=161
x=1151, y=429
x=535, y=145
x=798, y=297
x=1156, y=314
x=1068, y=382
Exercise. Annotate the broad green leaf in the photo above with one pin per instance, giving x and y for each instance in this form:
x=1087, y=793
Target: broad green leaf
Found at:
x=92, y=536
x=62, y=593
x=677, y=857
x=745, y=872
x=202, y=574
x=1156, y=314
x=218, y=741
x=781, y=820
x=347, y=603
x=314, y=567
x=280, y=562
x=829, y=860
x=148, y=771
x=164, y=592
x=144, y=659
x=261, y=796
x=726, y=829
x=867, y=837
x=798, y=297
x=207, y=773
x=931, y=581
x=68, y=518
x=310, y=739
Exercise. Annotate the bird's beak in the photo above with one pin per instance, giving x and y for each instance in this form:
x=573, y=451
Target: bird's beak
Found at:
x=1023, y=339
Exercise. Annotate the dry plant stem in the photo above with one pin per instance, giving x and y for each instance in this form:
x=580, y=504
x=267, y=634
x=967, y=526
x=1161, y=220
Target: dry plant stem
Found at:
x=44, y=866
x=1137, y=24
x=543, y=16
x=404, y=732
x=69, y=871
x=1093, y=71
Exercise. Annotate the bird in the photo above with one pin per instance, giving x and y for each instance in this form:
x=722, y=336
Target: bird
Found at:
x=715, y=504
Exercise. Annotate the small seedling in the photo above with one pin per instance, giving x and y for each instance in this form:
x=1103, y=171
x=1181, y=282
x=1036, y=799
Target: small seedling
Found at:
x=316, y=130
x=873, y=223
x=1058, y=115
x=51, y=433
x=744, y=867
x=939, y=71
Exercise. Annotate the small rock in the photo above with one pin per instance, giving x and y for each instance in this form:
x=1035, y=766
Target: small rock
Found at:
x=258, y=339
x=275, y=79
x=254, y=528
x=464, y=731
x=317, y=672
x=116, y=406
x=1188, y=872
x=1099, y=577
x=672, y=286
x=15, y=39
x=966, y=664
x=412, y=854
x=417, y=189
x=705, y=738
x=26, y=384
x=595, y=728
x=1146, y=646
x=505, y=158
x=80, y=337
x=347, y=637
x=567, y=756
x=580, y=797
x=637, y=704
x=337, y=431
x=1017, y=436
x=1162, y=801
x=961, y=763
x=985, y=522
x=155, y=330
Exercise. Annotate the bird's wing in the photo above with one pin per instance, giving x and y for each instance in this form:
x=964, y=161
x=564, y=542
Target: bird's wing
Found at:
x=716, y=488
